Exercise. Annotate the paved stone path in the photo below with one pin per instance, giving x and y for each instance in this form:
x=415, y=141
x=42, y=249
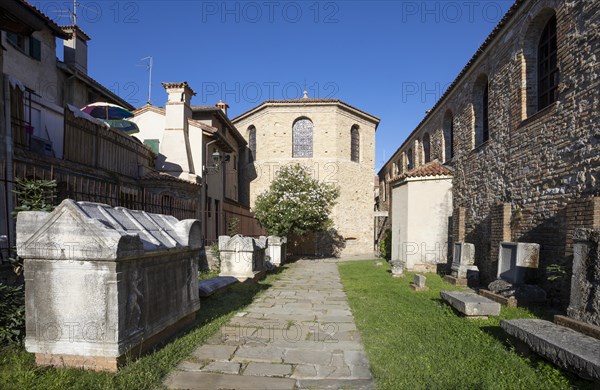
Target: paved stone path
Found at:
x=299, y=333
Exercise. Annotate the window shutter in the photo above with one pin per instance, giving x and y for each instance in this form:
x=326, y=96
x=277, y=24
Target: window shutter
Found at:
x=35, y=49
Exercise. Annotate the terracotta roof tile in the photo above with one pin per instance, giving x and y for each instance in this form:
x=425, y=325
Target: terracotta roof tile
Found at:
x=433, y=168
x=156, y=175
x=307, y=101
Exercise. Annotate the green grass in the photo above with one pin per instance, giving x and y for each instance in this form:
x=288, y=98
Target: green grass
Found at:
x=415, y=341
x=18, y=370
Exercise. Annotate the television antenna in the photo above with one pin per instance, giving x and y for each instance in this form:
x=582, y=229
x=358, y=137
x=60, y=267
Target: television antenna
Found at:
x=149, y=62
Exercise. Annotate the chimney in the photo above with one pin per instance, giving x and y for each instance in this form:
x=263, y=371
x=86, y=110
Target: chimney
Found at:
x=76, y=48
x=223, y=106
x=178, y=109
x=176, y=146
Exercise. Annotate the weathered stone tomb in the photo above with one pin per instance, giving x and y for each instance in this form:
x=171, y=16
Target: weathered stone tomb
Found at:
x=242, y=257
x=276, y=250
x=102, y=283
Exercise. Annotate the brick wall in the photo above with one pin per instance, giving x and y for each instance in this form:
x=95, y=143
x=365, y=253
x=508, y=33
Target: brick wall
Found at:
x=535, y=161
x=500, y=220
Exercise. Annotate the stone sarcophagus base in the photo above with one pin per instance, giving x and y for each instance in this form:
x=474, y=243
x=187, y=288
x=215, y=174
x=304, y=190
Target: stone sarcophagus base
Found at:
x=514, y=258
x=276, y=250
x=242, y=257
x=104, y=283
x=463, y=271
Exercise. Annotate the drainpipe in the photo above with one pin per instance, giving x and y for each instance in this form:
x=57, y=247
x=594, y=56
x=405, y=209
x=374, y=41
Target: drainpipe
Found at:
x=9, y=164
x=205, y=188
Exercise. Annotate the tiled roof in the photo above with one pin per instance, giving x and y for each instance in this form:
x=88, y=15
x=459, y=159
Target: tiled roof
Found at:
x=149, y=107
x=431, y=169
x=202, y=125
x=156, y=175
x=308, y=101
x=49, y=22
x=205, y=108
x=219, y=112
x=495, y=32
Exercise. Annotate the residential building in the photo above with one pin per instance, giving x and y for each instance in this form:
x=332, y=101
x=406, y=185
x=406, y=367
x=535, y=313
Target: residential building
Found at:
x=199, y=144
x=46, y=136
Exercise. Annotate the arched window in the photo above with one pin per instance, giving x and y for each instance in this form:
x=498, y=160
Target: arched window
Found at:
x=426, y=148
x=547, y=65
x=302, y=138
x=540, y=48
x=448, y=135
x=354, y=144
x=409, y=160
x=480, y=108
x=252, y=142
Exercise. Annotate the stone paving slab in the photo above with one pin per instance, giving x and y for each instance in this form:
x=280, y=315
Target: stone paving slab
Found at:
x=213, y=381
x=300, y=333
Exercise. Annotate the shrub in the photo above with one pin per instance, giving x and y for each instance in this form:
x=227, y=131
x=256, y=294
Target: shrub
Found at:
x=385, y=245
x=12, y=314
x=295, y=203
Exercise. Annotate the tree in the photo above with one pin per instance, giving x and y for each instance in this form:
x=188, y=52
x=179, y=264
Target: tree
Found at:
x=296, y=203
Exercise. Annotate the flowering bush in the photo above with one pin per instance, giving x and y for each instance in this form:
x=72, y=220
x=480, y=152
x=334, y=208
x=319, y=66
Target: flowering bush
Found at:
x=295, y=203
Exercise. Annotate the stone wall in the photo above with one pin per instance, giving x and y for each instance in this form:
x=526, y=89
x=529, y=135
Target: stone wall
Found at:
x=331, y=163
x=535, y=161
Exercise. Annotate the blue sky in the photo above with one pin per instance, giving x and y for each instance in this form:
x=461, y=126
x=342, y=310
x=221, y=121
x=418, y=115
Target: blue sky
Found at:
x=392, y=59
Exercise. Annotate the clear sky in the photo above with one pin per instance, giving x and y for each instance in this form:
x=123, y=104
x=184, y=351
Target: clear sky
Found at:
x=392, y=59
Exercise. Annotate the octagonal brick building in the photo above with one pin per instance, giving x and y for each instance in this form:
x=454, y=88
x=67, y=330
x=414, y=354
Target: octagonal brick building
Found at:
x=336, y=141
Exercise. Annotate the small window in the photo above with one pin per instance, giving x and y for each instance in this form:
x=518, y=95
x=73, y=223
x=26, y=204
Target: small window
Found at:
x=17, y=40
x=409, y=159
x=234, y=162
x=302, y=138
x=548, y=66
x=35, y=49
x=449, y=135
x=481, y=109
x=355, y=144
x=252, y=142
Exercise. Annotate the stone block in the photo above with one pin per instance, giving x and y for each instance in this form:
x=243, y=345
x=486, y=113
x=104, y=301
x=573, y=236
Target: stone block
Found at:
x=584, y=304
x=397, y=268
x=242, y=257
x=579, y=326
x=509, y=302
x=564, y=347
x=418, y=283
x=514, y=258
x=211, y=286
x=104, y=282
x=463, y=260
x=471, y=304
x=276, y=250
